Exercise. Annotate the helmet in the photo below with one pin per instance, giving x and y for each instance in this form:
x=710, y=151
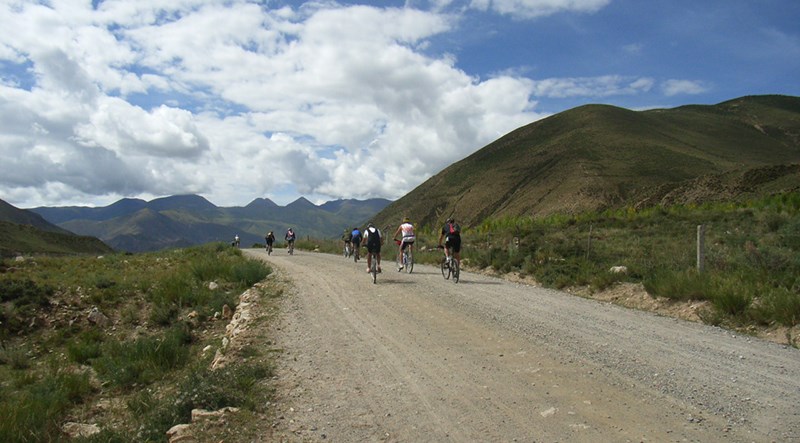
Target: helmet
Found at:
x=406, y=220
x=370, y=225
x=450, y=220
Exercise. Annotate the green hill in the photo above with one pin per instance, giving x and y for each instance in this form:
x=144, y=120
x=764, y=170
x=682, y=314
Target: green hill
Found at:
x=25, y=232
x=596, y=157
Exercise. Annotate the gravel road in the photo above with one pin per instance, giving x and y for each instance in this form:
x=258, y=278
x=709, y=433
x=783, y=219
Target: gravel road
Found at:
x=415, y=358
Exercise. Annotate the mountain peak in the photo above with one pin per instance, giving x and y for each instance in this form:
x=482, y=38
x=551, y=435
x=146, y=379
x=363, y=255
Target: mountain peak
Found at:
x=188, y=201
x=301, y=202
x=261, y=203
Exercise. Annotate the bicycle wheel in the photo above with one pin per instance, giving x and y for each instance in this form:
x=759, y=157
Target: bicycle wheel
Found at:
x=445, y=269
x=355, y=255
x=409, y=259
x=456, y=270
x=374, y=269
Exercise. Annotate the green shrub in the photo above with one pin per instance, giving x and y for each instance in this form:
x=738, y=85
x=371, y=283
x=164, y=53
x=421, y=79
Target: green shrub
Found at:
x=779, y=305
x=142, y=361
x=36, y=412
x=16, y=358
x=86, y=346
x=25, y=292
x=248, y=273
x=677, y=285
x=730, y=297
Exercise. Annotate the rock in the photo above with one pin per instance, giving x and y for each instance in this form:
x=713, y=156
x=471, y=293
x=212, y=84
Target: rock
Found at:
x=180, y=433
x=227, y=313
x=98, y=318
x=618, y=270
x=213, y=286
x=202, y=414
x=80, y=430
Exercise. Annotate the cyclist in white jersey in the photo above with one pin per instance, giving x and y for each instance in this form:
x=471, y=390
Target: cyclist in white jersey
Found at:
x=406, y=229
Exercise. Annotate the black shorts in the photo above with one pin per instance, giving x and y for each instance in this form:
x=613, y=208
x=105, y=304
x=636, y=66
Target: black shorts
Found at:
x=453, y=242
x=374, y=247
x=405, y=243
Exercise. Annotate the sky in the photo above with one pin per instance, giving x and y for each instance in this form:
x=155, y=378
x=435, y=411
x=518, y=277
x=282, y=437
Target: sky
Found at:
x=236, y=100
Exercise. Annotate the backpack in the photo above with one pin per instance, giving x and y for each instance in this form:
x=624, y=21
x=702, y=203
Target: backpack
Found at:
x=373, y=236
x=453, y=229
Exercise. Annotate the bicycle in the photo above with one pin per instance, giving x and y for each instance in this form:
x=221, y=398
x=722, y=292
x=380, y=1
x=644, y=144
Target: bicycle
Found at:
x=373, y=268
x=291, y=247
x=356, y=254
x=450, y=266
x=347, y=251
x=269, y=249
x=407, y=259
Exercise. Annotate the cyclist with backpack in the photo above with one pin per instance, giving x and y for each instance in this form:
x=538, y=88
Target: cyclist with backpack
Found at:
x=374, y=240
x=269, y=239
x=406, y=229
x=451, y=232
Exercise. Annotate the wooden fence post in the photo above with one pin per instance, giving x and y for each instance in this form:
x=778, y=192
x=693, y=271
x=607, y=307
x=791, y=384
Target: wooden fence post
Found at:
x=589, y=242
x=701, y=244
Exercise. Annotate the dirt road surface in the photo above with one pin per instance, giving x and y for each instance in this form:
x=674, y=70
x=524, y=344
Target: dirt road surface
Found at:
x=415, y=358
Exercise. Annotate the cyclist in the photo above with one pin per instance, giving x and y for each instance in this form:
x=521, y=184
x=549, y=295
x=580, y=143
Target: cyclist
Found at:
x=347, y=238
x=374, y=240
x=356, y=240
x=406, y=229
x=236, y=240
x=269, y=239
x=290, y=237
x=451, y=232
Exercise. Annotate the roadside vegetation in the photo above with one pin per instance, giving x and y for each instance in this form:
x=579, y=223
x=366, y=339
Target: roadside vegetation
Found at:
x=118, y=341
x=751, y=270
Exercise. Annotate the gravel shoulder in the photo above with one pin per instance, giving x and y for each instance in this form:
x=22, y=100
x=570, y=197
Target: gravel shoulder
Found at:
x=418, y=358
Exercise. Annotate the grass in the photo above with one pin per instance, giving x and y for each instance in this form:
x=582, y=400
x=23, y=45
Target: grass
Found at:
x=751, y=272
x=162, y=308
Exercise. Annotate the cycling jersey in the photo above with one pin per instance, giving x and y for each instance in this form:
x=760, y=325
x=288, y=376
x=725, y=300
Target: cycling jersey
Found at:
x=407, y=230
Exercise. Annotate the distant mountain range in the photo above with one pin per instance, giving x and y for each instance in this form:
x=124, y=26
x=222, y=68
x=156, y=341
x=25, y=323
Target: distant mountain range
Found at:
x=135, y=225
x=598, y=157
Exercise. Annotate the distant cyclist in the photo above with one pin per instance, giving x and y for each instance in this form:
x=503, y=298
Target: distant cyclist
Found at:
x=269, y=239
x=236, y=240
x=347, y=238
x=451, y=232
x=374, y=240
x=355, y=239
x=290, y=238
x=406, y=229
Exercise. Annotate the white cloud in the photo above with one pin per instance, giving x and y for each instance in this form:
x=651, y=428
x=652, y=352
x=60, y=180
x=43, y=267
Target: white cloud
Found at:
x=603, y=86
x=538, y=8
x=235, y=101
x=676, y=87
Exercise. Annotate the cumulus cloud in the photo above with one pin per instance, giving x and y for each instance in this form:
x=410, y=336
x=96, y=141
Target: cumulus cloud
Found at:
x=237, y=100
x=676, y=87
